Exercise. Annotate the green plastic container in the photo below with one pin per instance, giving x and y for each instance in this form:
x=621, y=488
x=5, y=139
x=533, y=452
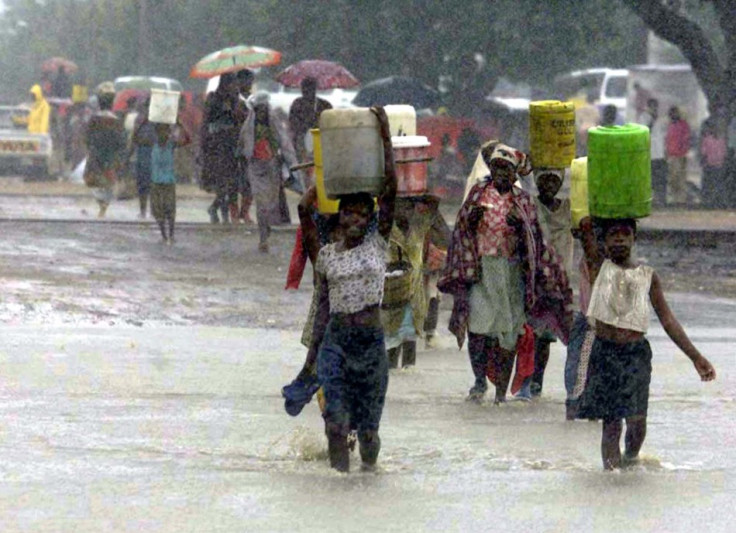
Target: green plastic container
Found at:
x=619, y=171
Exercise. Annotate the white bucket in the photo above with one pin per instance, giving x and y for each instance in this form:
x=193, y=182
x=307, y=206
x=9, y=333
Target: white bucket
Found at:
x=352, y=152
x=402, y=120
x=164, y=106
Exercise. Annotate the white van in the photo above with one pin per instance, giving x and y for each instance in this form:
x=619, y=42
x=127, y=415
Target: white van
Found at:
x=600, y=86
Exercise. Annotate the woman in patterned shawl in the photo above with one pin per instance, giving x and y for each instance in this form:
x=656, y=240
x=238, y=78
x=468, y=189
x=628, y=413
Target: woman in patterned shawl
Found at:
x=501, y=272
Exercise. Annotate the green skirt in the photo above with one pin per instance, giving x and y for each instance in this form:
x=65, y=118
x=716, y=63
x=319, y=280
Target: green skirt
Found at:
x=497, y=302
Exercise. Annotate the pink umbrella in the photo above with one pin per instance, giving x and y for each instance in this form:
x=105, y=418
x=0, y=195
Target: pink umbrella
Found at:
x=329, y=75
x=52, y=65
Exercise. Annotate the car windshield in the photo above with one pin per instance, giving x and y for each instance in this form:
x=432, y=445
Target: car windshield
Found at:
x=588, y=85
x=146, y=83
x=616, y=87
x=6, y=120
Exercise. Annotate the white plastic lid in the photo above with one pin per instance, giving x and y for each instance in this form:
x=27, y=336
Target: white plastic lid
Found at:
x=410, y=141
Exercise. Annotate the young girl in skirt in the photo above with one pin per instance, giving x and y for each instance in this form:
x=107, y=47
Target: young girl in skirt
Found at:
x=620, y=366
x=352, y=365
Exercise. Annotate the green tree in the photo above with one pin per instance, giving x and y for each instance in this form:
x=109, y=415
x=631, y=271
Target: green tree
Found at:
x=525, y=40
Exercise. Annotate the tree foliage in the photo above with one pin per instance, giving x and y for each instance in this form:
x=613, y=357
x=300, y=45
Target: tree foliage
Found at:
x=524, y=40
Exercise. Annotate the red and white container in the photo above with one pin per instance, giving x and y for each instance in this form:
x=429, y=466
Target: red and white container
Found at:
x=412, y=158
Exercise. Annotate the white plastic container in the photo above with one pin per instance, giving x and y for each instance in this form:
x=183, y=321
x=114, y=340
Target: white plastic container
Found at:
x=352, y=152
x=411, y=177
x=402, y=120
x=164, y=106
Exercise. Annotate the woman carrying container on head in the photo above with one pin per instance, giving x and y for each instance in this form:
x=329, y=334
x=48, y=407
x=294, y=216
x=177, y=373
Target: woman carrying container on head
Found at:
x=500, y=272
x=352, y=366
x=404, y=308
x=555, y=220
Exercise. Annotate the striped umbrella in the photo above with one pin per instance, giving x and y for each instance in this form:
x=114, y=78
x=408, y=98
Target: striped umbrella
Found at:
x=233, y=59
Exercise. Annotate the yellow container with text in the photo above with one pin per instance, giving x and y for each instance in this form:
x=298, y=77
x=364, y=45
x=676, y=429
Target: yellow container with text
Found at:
x=579, y=190
x=324, y=204
x=552, y=133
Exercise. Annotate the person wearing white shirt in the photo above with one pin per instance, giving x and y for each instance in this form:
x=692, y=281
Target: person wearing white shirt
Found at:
x=657, y=131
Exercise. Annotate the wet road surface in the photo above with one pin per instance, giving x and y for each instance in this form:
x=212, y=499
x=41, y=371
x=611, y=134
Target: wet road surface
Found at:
x=140, y=392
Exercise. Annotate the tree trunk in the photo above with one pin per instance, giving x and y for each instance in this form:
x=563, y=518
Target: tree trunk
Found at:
x=694, y=44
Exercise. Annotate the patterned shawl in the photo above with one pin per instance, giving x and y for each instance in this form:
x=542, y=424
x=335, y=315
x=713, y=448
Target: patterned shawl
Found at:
x=548, y=297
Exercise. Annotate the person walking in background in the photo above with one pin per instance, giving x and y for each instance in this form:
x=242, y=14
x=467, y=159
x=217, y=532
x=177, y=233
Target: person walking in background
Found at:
x=435, y=254
x=609, y=116
x=163, y=177
x=241, y=212
x=712, y=151
x=677, y=144
x=554, y=219
x=261, y=139
x=730, y=179
x=105, y=140
x=144, y=136
x=498, y=268
x=223, y=118
x=39, y=118
x=304, y=115
x=657, y=132
x=62, y=85
x=404, y=305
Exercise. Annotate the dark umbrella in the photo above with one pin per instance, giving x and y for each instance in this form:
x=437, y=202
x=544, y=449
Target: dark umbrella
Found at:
x=397, y=90
x=329, y=75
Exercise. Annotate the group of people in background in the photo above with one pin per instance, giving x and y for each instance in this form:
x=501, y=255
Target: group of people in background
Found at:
x=110, y=148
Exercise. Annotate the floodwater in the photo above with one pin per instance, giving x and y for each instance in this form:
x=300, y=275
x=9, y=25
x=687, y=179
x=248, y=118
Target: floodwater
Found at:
x=140, y=392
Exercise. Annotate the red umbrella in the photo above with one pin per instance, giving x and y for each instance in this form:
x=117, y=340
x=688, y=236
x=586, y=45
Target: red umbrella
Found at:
x=329, y=75
x=52, y=65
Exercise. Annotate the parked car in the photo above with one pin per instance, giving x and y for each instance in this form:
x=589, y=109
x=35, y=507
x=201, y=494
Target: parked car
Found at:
x=599, y=86
x=282, y=97
x=146, y=83
x=21, y=152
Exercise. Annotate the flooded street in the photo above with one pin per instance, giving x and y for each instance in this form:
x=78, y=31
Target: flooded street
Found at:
x=140, y=391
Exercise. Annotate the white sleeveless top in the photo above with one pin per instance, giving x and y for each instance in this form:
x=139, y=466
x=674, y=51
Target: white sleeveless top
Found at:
x=620, y=296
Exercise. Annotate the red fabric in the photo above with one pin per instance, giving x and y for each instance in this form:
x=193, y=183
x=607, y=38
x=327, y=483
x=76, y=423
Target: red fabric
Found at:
x=678, y=139
x=262, y=149
x=713, y=150
x=297, y=264
x=524, y=358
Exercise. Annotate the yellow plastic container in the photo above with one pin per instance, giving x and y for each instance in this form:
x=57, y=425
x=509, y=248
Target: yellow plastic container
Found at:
x=80, y=94
x=552, y=133
x=324, y=204
x=579, y=190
